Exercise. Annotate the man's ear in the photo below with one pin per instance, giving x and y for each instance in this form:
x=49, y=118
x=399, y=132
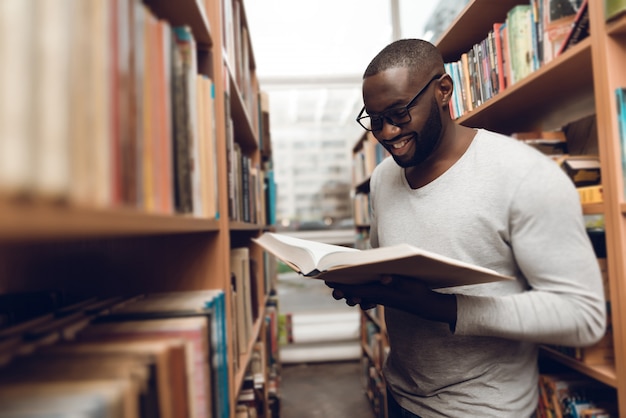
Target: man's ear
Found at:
x=445, y=88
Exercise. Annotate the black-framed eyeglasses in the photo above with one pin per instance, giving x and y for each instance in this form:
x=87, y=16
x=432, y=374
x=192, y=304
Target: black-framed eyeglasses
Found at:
x=395, y=116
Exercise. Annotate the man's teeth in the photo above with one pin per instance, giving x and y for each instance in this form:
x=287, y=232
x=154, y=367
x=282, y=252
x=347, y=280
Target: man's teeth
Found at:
x=400, y=144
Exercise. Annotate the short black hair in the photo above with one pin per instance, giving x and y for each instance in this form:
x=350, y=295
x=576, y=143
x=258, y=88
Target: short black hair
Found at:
x=417, y=54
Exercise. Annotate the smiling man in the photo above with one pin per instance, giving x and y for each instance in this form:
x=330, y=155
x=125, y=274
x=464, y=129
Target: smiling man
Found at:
x=483, y=198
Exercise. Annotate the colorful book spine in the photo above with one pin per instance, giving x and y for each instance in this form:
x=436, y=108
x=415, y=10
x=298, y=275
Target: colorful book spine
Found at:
x=620, y=95
x=614, y=8
x=221, y=393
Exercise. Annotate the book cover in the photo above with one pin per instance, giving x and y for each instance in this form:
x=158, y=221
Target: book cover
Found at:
x=148, y=118
x=80, y=139
x=558, y=16
x=209, y=304
x=551, y=143
x=520, y=46
x=506, y=55
x=183, y=195
x=134, y=369
x=119, y=107
x=246, y=201
x=194, y=330
x=167, y=356
x=240, y=267
x=210, y=139
x=187, y=44
x=165, y=166
x=212, y=149
x=17, y=98
x=352, y=266
x=579, y=29
x=614, y=8
x=498, y=56
x=101, y=398
x=140, y=136
x=51, y=51
x=583, y=170
x=466, y=82
x=203, y=160
x=620, y=95
x=101, y=192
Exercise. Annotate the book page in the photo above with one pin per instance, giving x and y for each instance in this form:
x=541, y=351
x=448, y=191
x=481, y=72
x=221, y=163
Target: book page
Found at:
x=304, y=254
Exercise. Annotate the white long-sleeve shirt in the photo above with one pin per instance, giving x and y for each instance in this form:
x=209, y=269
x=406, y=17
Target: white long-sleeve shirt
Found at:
x=505, y=206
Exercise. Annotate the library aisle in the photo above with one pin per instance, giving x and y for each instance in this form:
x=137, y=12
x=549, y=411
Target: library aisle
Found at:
x=321, y=390
x=320, y=377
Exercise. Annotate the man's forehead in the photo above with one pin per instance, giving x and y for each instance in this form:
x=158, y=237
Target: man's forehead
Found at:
x=396, y=78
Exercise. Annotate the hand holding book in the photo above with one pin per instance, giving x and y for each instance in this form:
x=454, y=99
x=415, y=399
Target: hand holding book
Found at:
x=338, y=264
x=400, y=292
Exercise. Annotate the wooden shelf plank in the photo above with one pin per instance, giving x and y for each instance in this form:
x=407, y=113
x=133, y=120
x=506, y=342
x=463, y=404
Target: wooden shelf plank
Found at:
x=593, y=208
x=185, y=12
x=245, y=134
x=617, y=27
x=472, y=26
x=24, y=221
x=565, y=95
x=603, y=373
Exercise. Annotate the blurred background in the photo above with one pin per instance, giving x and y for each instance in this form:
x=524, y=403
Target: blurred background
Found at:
x=310, y=57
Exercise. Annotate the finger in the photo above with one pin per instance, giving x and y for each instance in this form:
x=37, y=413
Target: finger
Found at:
x=367, y=305
x=338, y=294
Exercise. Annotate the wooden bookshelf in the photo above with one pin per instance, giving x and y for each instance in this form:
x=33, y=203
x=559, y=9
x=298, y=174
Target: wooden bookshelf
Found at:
x=550, y=98
x=578, y=83
x=139, y=250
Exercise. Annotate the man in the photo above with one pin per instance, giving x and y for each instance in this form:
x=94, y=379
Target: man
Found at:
x=482, y=198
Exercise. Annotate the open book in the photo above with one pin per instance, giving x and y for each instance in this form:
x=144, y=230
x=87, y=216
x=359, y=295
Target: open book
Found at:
x=339, y=264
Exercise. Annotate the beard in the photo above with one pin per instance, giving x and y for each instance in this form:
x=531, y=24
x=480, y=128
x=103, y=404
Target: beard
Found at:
x=426, y=141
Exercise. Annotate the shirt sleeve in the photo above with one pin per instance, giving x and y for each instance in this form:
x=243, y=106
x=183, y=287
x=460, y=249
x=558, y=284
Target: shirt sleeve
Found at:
x=565, y=302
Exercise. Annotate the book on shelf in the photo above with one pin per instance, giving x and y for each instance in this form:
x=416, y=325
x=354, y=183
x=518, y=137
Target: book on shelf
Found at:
x=572, y=395
x=156, y=154
x=16, y=100
x=620, y=96
x=167, y=358
x=96, y=398
x=136, y=369
x=557, y=19
x=208, y=143
x=520, y=41
x=537, y=31
x=506, y=54
x=579, y=29
x=551, y=143
x=265, y=134
x=346, y=265
x=590, y=194
x=499, y=58
x=614, y=8
x=193, y=330
x=208, y=305
x=52, y=53
x=584, y=170
x=121, y=96
x=240, y=268
x=186, y=124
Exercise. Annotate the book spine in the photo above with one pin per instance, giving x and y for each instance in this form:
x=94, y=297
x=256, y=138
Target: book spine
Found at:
x=620, y=95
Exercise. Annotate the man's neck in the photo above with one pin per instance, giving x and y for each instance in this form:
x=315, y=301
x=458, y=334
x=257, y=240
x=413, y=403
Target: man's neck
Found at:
x=453, y=148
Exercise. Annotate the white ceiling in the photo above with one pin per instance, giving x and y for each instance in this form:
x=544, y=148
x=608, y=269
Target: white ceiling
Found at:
x=310, y=55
